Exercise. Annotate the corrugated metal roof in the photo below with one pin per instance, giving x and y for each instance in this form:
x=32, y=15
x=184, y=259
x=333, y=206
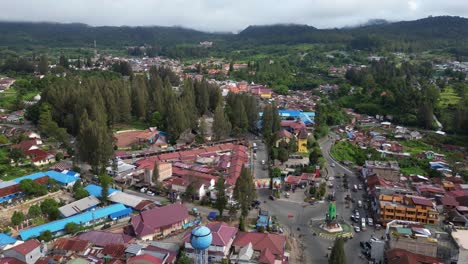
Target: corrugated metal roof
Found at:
x=79, y=206
x=96, y=190
x=6, y=239
x=59, y=225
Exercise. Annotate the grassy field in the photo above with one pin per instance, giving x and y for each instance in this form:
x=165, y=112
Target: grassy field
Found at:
x=134, y=124
x=448, y=97
x=415, y=147
x=343, y=151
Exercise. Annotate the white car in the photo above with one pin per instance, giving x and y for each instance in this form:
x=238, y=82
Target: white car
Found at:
x=357, y=229
x=150, y=193
x=332, y=165
x=143, y=190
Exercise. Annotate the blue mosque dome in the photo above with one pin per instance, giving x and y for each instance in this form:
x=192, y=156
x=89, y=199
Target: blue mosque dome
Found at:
x=201, y=238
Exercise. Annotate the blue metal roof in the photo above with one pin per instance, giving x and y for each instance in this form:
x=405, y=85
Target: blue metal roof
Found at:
x=83, y=218
x=96, y=190
x=57, y=176
x=6, y=239
x=127, y=211
x=61, y=178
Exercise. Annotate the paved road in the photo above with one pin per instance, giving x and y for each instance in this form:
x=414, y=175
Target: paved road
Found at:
x=352, y=246
x=315, y=248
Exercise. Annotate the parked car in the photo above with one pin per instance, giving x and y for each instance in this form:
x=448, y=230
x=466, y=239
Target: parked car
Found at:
x=271, y=197
x=333, y=165
x=150, y=193
x=143, y=190
x=359, y=203
x=370, y=222
x=357, y=229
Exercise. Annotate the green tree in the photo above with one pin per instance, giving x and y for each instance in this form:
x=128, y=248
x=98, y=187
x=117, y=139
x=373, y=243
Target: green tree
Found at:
x=43, y=66
x=63, y=61
x=50, y=207
x=337, y=255
x=221, y=199
x=77, y=186
x=283, y=154
x=244, y=191
x=34, y=211
x=221, y=124
x=183, y=258
x=72, y=228
x=17, y=218
x=3, y=139
x=105, y=181
x=59, y=156
x=26, y=186
x=156, y=119
x=190, y=192
x=95, y=142
x=80, y=193
x=17, y=155
x=45, y=236
x=242, y=224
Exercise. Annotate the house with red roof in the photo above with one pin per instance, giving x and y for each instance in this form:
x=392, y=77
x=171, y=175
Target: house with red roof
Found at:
x=151, y=136
x=268, y=248
x=68, y=246
x=102, y=238
x=28, y=252
x=223, y=237
x=429, y=191
x=145, y=259
x=160, y=222
x=401, y=256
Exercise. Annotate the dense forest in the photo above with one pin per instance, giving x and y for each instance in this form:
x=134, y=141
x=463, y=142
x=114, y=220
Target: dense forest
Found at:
x=88, y=106
x=408, y=94
x=432, y=32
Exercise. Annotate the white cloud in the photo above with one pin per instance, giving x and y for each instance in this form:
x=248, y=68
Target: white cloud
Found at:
x=226, y=15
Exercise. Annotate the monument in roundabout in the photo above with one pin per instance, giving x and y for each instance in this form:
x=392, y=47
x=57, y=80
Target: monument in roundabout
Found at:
x=331, y=225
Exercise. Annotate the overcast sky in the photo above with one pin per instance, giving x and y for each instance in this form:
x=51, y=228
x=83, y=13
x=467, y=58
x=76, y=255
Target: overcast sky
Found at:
x=226, y=15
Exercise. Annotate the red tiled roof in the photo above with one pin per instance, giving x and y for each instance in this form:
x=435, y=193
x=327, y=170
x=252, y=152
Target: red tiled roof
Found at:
x=291, y=179
x=70, y=244
x=283, y=133
x=307, y=176
x=449, y=201
x=10, y=261
x=421, y=201
x=429, y=188
x=266, y=257
x=43, y=260
x=114, y=250
x=25, y=145
x=261, y=241
x=172, y=254
x=148, y=221
x=222, y=233
x=26, y=247
x=401, y=256
x=145, y=258
x=101, y=238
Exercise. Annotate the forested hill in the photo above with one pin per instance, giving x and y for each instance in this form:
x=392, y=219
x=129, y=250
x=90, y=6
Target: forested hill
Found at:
x=26, y=34
x=431, y=32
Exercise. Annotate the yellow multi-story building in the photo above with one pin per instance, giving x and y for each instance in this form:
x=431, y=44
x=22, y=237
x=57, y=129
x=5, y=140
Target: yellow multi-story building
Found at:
x=408, y=207
x=302, y=140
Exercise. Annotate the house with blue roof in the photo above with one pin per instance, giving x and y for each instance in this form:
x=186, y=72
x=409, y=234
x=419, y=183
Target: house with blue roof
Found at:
x=6, y=240
x=64, y=180
x=112, y=212
x=96, y=190
x=308, y=118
